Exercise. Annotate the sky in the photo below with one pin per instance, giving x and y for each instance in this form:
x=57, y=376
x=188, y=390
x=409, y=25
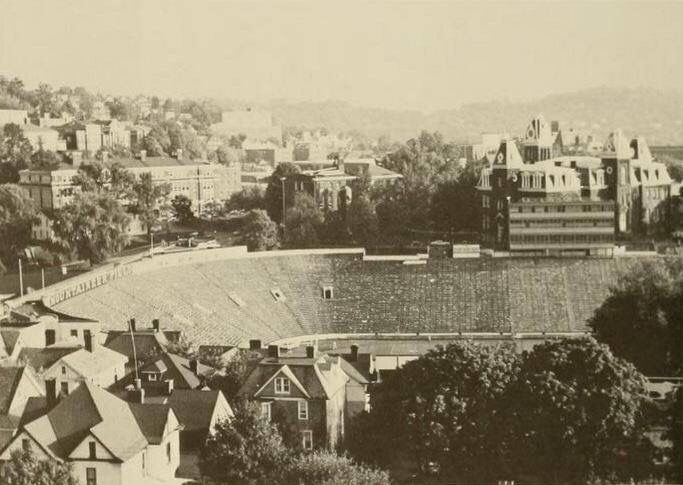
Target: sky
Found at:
x=424, y=55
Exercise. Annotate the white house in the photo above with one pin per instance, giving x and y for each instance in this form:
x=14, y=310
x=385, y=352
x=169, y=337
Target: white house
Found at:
x=108, y=441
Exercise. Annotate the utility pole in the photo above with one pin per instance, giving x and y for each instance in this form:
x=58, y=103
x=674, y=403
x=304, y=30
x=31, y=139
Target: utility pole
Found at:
x=42, y=276
x=21, y=280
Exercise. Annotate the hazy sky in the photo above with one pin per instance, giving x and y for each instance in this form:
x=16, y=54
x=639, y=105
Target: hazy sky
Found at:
x=417, y=54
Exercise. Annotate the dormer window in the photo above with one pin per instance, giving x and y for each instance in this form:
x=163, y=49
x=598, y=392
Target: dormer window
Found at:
x=328, y=293
x=92, y=448
x=282, y=385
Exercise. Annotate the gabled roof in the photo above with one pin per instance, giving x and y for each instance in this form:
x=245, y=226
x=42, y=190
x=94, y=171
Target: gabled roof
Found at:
x=508, y=156
x=538, y=132
x=92, y=363
x=152, y=419
x=89, y=409
x=640, y=150
x=287, y=372
x=9, y=381
x=194, y=408
x=176, y=368
x=44, y=358
x=147, y=342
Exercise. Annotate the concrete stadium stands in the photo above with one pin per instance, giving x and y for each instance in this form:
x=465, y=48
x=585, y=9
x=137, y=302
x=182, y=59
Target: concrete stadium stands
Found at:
x=225, y=301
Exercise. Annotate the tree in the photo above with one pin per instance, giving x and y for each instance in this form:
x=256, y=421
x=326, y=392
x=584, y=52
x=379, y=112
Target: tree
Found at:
x=327, y=468
x=93, y=225
x=362, y=221
x=455, y=206
x=229, y=375
x=24, y=468
x=677, y=435
x=577, y=414
x=274, y=189
x=441, y=410
x=247, y=199
x=18, y=213
x=119, y=109
x=642, y=318
x=182, y=208
x=44, y=160
x=15, y=153
x=150, y=200
x=303, y=221
x=260, y=232
x=246, y=449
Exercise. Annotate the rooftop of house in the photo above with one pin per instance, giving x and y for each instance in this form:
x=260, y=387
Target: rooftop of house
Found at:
x=32, y=310
x=194, y=408
x=150, y=162
x=148, y=341
x=9, y=380
x=41, y=359
x=90, y=409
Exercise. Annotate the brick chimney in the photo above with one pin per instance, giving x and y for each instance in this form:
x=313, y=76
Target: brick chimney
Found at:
x=193, y=365
x=169, y=386
x=132, y=325
x=51, y=391
x=273, y=351
x=311, y=351
x=155, y=325
x=354, y=353
x=87, y=337
x=137, y=395
x=254, y=344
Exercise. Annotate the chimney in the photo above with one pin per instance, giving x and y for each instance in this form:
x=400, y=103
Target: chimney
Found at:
x=254, y=344
x=143, y=155
x=51, y=391
x=179, y=153
x=311, y=351
x=132, y=325
x=88, y=341
x=169, y=386
x=155, y=325
x=273, y=351
x=354, y=353
x=136, y=395
x=193, y=365
x=138, y=384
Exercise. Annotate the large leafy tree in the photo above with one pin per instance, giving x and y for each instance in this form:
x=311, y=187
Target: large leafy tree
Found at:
x=150, y=199
x=455, y=207
x=17, y=214
x=245, y=449
x=303, y=222
x=642, y=318
x=15, y=153
x=361, y=217
x=247, y=199
x=274, y=190
x=676, y=434
x=94, y=226
x=24, y=468
x=442, y=410
x=182, y=208
x=577, y=413
x=260, y=233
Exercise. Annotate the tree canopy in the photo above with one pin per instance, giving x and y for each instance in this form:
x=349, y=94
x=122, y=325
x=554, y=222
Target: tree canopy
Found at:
x=18, y=213
x=642, y=318
x=260, y=233
x=15, y=153
x=150, y=199
x=24, y=468
x=274, y=190
x=93, y=225
x=303, y=221
x=182, y=208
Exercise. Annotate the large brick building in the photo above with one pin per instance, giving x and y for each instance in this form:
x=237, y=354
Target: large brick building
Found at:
x=547, y=203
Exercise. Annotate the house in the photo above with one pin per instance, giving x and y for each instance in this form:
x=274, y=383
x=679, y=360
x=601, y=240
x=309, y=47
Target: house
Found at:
x=66, y=365
x=33, y=325
x=312, y=396
x=17, y=385
x=144, y=344
x=107, y=440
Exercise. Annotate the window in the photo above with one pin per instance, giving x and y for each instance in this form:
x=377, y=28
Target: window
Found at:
x=307, y=439
x=303, y=410
x=63, y=370
x=74, y=333
x=281, y=385
x=327, y=293
x=91, y=476
x=25, y=444
x=64, y=388
x=265, y=410
x=92, y=447
x=168, y=452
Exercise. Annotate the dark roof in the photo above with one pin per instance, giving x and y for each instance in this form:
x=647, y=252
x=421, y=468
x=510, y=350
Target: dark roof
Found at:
x=156, y=162
x=176, y=368
x=10, y=337
x=147, y=343
x=35, y=407
x=35, y=309
x=9, y=380
x=193, y=407
x=152, y=420
x=44, y=358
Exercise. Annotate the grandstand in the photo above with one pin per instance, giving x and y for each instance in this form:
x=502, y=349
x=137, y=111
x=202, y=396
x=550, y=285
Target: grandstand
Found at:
x=283, y=295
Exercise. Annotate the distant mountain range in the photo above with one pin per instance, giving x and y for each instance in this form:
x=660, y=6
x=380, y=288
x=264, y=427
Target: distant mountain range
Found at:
x=656, y=115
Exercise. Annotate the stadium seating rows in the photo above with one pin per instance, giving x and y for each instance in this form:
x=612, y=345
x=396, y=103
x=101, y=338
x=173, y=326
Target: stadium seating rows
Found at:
x=225, y=302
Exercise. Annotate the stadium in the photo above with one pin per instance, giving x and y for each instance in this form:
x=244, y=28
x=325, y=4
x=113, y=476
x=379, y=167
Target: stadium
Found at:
x=227, y=296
